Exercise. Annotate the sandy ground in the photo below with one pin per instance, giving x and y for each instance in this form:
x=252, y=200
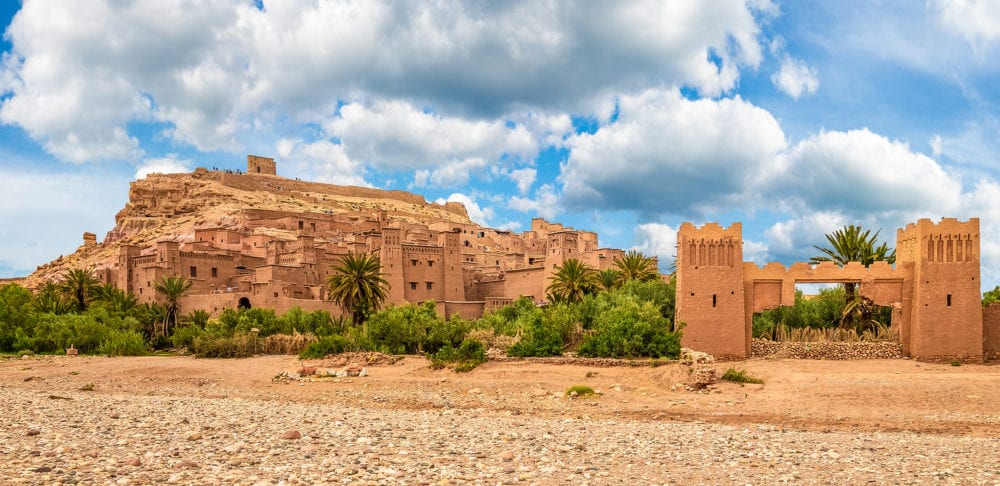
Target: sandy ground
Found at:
x=929, y=418
x=879, y=395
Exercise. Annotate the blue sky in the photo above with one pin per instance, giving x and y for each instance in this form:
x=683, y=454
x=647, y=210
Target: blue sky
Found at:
x=625, y=118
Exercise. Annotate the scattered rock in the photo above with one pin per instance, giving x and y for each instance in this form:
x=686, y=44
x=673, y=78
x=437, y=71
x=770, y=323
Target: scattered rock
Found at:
x=507, y=456
x=292, y=435
x=196, y=435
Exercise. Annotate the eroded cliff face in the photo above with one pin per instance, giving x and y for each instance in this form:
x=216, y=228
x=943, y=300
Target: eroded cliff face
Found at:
x=170, y=207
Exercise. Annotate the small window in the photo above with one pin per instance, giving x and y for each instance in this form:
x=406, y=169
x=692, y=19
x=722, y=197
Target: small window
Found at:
x=312, y=226
x=194, y=272
x=715, y=300
x=949, y=300
x=413, y=286
x=275, y=295
x=140, y=290
x=414, y=262
x=301, y=225
x=215, y=272
x=430, y=263
x=430, y=285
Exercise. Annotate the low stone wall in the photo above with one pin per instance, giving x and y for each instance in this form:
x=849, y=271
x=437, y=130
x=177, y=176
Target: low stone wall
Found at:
x=763, y=348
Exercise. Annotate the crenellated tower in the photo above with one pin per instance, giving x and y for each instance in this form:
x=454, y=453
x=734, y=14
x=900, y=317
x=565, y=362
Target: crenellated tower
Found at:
x=710, y=298
x=946, y=315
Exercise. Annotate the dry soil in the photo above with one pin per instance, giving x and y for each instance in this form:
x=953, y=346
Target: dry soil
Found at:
x=153, y=420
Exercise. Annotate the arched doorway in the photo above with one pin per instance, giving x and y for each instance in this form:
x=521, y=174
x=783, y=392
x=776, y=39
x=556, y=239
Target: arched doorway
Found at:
x=244, y=303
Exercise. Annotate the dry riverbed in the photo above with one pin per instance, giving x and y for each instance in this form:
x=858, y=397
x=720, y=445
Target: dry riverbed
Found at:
x=152, y=420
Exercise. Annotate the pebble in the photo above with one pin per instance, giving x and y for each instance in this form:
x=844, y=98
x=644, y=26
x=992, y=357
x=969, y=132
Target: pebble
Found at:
x=82, y=444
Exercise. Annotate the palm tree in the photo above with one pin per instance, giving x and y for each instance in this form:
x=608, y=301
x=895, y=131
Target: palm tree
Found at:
x=636, y=266
x=609, y=279
x=357, y=284
x=79, y=287
x=572, y=281
x=851, y=244
x=49, y=299
x=172, y=288
x=197, y=318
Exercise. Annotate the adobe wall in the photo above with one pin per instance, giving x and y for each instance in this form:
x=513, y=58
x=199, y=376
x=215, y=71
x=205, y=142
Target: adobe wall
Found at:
x=261, y=165
x=933, y=289
x=465, y=310
x=710, y=298
x=525, y=282
x=991, y=331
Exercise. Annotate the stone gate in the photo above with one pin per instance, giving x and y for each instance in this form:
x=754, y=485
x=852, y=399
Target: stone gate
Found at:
x=934, y=289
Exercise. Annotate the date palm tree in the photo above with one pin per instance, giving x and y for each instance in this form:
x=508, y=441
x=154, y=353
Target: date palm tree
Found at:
x=634, y=265
x=572, y=281
x=50, y=299
x=609, y=279
x=851, y=244
x=171, y=288
x=358, y=285
x=79, y=287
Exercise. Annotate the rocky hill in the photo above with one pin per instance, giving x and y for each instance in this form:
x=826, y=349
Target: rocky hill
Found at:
x=171, y=206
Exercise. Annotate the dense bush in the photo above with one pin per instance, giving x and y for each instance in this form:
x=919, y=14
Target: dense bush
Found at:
x=539, y=338
x=402, y=329
x=629, y=328
x=123, y=343
x=328, y=345
x=468, y=355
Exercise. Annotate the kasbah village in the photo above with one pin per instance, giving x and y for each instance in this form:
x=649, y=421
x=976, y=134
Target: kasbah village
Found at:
x=483, y=358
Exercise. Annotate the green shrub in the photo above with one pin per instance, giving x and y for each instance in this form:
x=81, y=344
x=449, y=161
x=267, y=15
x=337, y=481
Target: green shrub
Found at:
x=580, y=391
x=539, y=338
x=631, y=328
x=185, y=335
x=446, y=333
x=565, y=318
x=123, y=343
x=326, y=346
x=402, y=329
x=241, y=345
x=740, y=376
x=470, y=354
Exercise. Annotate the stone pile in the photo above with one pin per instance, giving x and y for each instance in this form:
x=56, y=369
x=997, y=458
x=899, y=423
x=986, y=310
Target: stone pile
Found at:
x=764, y=348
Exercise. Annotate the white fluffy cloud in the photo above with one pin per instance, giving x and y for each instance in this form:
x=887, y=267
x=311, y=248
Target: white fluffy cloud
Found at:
x=978, y=21
x=524, y=178
x=321, y=161
x=163, y=165
x=657, y=239
x=863, y=172
x=397, y=135
x=665, y=153
x=545, y=203
x=477, y=214
x=80, y=72
x=796, y=78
